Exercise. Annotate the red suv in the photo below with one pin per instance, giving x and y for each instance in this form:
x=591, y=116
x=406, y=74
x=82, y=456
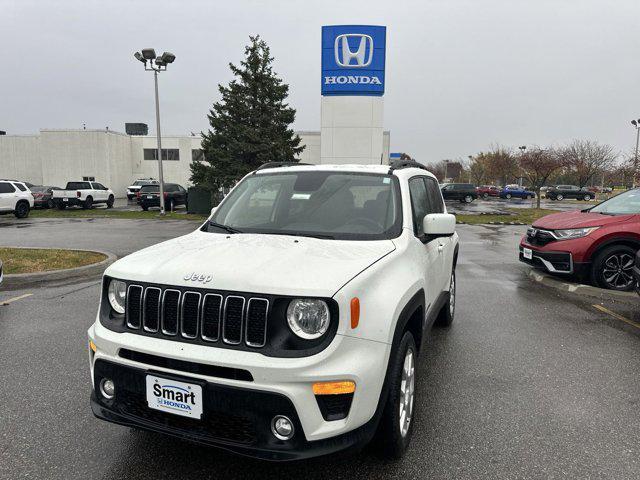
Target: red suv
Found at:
x=598, y=243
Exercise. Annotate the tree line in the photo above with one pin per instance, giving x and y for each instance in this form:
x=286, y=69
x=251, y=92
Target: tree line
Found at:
x=581, y=162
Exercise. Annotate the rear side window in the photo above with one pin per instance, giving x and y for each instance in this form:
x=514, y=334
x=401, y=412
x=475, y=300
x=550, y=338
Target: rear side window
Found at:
x=78, y=186
x=21, y=187
x=99, y=186
x=6, y=187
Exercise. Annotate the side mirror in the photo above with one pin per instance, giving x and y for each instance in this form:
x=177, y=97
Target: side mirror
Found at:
x=439, y=225
x=213, y=210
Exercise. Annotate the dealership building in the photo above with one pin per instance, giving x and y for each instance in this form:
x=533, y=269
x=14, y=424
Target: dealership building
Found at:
x=351, y=130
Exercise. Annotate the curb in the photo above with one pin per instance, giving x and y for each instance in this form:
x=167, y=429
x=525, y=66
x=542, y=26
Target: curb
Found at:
x=17, y=281
x=580, y=289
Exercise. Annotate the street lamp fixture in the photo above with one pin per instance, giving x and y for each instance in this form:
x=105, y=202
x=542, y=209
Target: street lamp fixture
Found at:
x=636, y=125
x=156, y=64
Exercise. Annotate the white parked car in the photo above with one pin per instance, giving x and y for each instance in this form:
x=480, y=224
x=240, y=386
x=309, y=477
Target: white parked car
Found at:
x=135, y=187
x=16, y=198
x=289, y=324
x=83, y=194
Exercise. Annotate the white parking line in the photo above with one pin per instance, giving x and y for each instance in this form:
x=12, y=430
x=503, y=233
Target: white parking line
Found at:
x=15, y=299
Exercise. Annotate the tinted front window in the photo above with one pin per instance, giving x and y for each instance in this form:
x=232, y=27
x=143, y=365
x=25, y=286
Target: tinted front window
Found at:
x=623, y=204
x=327, y=204
x=419, y=203
x=150, y=189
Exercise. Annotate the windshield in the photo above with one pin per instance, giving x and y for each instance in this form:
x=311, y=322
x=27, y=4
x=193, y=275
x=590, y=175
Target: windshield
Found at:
x=323, y=204
x=624, y=204
x=150, y=188
x=138, y=183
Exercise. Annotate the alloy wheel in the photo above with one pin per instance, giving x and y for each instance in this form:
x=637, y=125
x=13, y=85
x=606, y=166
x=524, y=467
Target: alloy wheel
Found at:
x=407, y=390
x=617, y=271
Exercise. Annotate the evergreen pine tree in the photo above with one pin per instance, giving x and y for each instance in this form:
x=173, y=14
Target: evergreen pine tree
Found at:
x=250, y=125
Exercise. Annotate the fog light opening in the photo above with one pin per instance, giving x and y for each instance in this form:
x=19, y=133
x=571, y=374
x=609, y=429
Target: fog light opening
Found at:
x=107, y=388
x=282, y=427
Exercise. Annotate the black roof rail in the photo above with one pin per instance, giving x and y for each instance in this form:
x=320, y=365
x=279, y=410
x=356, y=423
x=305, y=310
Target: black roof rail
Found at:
x=400, y=164
x=264, y=166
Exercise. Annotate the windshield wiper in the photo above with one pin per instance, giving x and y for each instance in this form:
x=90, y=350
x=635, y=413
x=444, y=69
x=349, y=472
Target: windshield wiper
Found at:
x=226, y=228
x=300, y=234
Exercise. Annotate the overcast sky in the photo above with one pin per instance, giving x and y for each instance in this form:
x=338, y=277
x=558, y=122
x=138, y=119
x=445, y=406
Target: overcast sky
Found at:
x=461, y=75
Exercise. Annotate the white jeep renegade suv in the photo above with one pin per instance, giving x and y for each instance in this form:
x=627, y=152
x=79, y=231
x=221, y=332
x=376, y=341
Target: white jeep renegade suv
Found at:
x=289, y=324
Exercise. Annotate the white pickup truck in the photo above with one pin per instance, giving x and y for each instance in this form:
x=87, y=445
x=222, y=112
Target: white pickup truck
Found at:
x=83, y=194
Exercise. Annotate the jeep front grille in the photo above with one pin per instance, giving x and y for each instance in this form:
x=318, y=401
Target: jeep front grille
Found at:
x=232, y=319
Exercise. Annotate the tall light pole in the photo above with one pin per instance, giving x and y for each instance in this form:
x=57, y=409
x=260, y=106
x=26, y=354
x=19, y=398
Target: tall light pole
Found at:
x=156, y=64
x=446, y=164
x=522, y=149
x=636, y=125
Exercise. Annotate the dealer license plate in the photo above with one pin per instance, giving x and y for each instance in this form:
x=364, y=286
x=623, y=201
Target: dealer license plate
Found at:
x=65, y=199
x=527, y=253
x=149, y=196
x=174, y=397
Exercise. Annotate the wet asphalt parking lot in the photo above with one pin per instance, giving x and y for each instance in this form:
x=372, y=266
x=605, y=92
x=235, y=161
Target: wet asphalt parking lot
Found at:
x=526, y=384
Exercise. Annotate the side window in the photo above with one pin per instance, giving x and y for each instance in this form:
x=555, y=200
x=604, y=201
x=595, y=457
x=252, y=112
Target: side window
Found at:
x=419, y=201
x=6, y=187
x=21, y=187
x=99, y=186
x=435, y=198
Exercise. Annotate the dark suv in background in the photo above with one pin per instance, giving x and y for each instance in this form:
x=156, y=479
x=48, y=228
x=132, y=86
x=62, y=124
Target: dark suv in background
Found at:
x=149, y=196
x=465, y=192
x=560, y=192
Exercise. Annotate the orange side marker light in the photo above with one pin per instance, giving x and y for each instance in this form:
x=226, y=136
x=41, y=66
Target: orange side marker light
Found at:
x=355, y=312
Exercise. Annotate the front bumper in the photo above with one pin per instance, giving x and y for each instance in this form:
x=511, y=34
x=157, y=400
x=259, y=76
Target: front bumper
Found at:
x=234, y=419
x=346, y=358
x=554, y=261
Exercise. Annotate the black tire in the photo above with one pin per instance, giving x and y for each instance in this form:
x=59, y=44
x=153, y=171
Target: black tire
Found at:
x=392, y=440
x=448, y=312
x=61, y=206
x=529, y=197
x=50, y=203
x=586, y=198
x=110, y=201
x=88, y=203
x=485, y=195
x=22, y=209
x=508, y=196
x=559, y=197
x=145, y=208
x=468, y=198
x=170, y=205
x=612, y=268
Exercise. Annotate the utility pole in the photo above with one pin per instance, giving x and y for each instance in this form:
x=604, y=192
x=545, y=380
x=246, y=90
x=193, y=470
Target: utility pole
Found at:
x=636, y=125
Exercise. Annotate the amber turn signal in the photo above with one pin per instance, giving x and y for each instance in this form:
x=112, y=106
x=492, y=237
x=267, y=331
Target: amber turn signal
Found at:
x=355, y=312
x=92, y=346
x=334, y=388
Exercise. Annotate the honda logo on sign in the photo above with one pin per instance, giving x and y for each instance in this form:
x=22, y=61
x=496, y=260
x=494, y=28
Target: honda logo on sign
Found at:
x=361, y=57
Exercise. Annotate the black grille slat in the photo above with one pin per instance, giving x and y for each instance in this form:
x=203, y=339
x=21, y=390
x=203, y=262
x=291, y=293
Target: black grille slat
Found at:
x=256, y=326
x=170, y=311
x=190, y=314
x=211, y=308
x=134, y=306
x=232, y=322
x=151, y=309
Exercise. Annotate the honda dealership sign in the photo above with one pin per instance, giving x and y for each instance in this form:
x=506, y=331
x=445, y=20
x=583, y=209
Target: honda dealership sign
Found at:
x=353, y=60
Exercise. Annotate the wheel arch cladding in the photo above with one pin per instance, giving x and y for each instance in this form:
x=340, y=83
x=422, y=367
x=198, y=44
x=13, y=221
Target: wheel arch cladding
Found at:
x=412, y=319
x=632, y=242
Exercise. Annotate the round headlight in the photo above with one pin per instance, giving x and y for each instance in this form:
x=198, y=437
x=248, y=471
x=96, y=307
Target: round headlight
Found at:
x=117, y=295
x=308, y=318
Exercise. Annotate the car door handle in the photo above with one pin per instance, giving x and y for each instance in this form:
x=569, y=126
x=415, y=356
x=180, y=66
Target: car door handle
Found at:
x=440, y=248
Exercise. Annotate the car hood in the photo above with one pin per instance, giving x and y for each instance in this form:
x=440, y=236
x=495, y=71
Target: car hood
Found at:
x=578, y=219
x=257, y=263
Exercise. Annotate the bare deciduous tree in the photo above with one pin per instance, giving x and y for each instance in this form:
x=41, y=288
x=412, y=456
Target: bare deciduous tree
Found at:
x=537, y=165
x=501, y=163
x=586, y=158
x=478, y=169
